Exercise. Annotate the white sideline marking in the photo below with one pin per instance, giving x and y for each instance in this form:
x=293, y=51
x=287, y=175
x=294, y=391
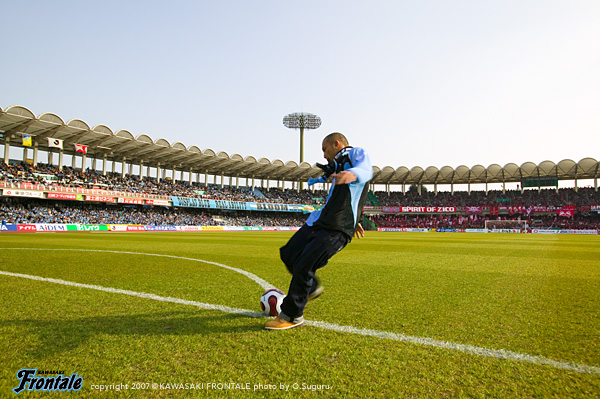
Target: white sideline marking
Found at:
x=470, y=349
x=264, y=284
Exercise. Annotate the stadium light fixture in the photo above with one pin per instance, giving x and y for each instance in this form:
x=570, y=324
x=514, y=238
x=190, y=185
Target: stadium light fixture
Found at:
x=301, y=120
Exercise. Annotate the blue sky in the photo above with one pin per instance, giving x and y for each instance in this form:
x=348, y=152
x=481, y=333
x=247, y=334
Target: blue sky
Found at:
x=415, y=83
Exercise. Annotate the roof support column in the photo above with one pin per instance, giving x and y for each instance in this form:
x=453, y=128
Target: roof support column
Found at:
x=6, y=149
x=595, y=184
x=83, y=161
x=123, y=167
x=253, y=183
x=35, y=154
x=73, y=160
x=190, y=177
x=24, y=154
x=113, y=165
x=148, y=171
x=141, y=169
x=104, y=165
x=158, y=172
x=60, y=159
x=237, y=182
x=173, y=177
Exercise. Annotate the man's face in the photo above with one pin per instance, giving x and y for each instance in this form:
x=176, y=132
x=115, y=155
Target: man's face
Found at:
x=329, y=149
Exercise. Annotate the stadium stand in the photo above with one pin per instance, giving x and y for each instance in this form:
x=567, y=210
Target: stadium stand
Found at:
x=28, y=211
x=21, y=210
x=33, y=191
x=52, y=178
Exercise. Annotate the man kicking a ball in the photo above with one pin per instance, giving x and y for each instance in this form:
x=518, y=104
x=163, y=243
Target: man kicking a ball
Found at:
x=327, y=230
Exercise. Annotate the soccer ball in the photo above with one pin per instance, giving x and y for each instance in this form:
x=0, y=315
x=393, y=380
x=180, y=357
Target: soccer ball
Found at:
x=271, y=300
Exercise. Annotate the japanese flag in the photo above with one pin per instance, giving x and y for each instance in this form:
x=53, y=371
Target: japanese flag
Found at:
x=56, y=143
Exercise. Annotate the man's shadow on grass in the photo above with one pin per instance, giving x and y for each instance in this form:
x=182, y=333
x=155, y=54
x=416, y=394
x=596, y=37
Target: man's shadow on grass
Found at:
x=59, y=336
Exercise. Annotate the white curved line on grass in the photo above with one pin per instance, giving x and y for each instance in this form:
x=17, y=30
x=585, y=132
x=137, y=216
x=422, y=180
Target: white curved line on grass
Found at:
x=475, y=350
x=264, y=284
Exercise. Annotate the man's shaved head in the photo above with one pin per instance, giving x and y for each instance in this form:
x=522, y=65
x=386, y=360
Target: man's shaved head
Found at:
x=330, y=138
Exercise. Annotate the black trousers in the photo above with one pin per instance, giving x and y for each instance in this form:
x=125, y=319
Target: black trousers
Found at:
x=308, y=250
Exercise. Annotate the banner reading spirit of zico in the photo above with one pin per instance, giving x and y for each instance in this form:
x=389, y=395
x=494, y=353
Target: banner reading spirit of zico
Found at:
x=419, y=209
x=235, y=205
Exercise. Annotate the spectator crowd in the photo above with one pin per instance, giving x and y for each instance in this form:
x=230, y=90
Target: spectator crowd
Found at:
x=545, y=197
x=17, y=211
x=24, y=211
x=579, y=222
x=51, y=177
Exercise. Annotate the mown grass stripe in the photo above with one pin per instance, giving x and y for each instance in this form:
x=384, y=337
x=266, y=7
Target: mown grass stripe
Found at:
x=264, y=284
x=474, y=350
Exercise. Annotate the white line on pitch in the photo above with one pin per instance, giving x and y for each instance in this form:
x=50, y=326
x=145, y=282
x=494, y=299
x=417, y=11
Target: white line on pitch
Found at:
x=264, y=284
x=475, y=350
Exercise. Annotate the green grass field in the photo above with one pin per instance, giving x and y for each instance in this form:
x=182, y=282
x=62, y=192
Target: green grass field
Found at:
x=526, y=294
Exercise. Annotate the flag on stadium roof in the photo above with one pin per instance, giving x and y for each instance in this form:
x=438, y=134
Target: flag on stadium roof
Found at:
x=27, y=140
x=56, y=143
x=81, y=148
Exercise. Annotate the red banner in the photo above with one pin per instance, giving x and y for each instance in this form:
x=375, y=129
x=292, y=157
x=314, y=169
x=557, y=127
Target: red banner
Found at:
x=62, y=196
x=566, y=211
x=99, y=198
x=130, y=201
x=516, y=209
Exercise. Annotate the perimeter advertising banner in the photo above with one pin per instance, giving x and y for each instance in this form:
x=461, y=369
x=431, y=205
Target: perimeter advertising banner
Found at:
x=22, y=193
x=65, y=196
x=419, y=209
x=403, y=229
x=49, y=227
x=157, y=202
x=186, y=202
x=135, y=201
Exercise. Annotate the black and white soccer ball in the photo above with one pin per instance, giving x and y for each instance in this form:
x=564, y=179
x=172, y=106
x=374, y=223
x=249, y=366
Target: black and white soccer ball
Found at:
x=271, y=300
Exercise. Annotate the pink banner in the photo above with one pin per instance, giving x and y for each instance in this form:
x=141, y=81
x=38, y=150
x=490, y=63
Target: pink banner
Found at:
x=419, y=209
x=474, y=210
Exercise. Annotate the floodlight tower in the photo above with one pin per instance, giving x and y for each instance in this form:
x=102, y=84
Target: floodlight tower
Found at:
x=301, y=120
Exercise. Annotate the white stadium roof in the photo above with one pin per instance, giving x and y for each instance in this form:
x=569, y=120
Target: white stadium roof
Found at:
x=102, y=141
